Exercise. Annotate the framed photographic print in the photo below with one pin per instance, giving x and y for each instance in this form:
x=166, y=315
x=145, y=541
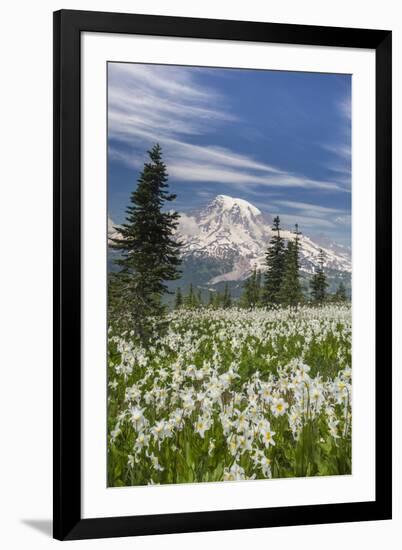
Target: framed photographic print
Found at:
x=222, y=274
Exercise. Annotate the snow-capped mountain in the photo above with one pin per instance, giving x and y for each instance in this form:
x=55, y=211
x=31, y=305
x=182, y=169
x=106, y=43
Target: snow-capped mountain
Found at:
x=236, y=233
x=111, y=231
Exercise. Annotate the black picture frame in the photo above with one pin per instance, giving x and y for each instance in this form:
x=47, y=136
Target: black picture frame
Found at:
x=68, y=26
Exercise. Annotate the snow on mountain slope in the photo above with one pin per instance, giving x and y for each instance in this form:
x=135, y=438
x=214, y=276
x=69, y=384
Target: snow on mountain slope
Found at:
x=224, y=228
x=235, y=230
x=111, y=230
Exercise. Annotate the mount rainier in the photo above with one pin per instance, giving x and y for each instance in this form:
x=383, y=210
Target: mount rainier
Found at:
x=227, y=239
x=235, y=234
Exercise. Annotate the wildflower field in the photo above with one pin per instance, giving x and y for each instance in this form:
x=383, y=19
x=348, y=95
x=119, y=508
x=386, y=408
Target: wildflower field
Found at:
x=230, y=394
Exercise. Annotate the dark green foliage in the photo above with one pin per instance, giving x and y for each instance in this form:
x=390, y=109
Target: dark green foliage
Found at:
x=193, y=299
x=340, y=294
x=178, y=303
x=282, y=279
x=257, y=287
x=246, y=296
x=217, y=299
x=227, y=298
x=252, y=290
x=148, y=253
x=190, y=299
x=290, y=293
x=275, y=263
x=318, y=283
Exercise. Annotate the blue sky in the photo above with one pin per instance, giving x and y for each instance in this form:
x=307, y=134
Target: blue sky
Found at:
x=281, y=140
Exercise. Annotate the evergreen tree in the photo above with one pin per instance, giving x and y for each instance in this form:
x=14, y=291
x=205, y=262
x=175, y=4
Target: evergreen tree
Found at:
x=252, y=290
x=149, y=254
x=118, y=310
x=297, y=245
x=211, y=300
x=199, y=299
x=319, y=283
x=340, y=294
x=246, y=295
x=227, y=298
x=275, y=263
x=218, y=299
x=258, y=281
x=178, y=299
x=290, y=293
x=190, y=298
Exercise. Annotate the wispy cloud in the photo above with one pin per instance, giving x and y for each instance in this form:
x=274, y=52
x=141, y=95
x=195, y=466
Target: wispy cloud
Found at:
x=203, y=165
x=171, y=105
x=344, y=220
x=167, y=101
x=341, y=149
x=313, y=210
x=345, y=107
x=312, y=216
x=306, y=222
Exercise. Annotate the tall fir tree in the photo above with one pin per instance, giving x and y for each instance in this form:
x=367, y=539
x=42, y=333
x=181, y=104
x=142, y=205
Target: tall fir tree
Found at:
x=218, y=300
x=199, y=299
x=190, y=299
x=178, y=299
x=340, y=294
x=149, y=255
x=258, y=282
x=297, y=234
x=290, y=293
x=252, y=290
x=246, y=295
x=318, y=282
x=227, y=298
x=274, y=261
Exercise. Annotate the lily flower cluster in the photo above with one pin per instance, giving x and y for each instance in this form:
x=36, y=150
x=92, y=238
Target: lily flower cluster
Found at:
x=232, y=395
